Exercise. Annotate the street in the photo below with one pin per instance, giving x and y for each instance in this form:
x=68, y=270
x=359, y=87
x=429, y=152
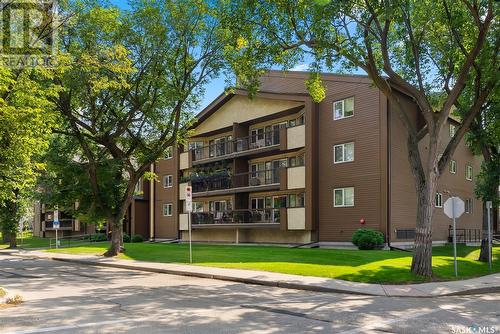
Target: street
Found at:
x=69, y=298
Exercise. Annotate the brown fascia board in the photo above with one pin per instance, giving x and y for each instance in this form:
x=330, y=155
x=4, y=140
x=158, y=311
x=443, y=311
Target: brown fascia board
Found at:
x=324, y=75
x=224, y=97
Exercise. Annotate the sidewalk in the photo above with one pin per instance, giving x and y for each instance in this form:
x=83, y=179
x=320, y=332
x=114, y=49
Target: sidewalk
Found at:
x=485, y=284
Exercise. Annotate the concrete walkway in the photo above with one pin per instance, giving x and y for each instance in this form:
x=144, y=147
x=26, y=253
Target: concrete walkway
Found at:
x=484, y=284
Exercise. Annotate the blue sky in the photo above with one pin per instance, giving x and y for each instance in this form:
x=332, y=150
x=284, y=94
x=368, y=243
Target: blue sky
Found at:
x=216, y=86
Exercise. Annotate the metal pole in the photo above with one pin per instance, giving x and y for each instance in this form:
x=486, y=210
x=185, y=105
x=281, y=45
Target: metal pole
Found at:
x=489, y=236
x=454, y=235
x=56, y=239
x=190, y=239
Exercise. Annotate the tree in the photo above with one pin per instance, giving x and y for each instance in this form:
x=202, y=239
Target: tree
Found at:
x=484, y=137
x=131, y=82
x=26, y=120
x=423, y=49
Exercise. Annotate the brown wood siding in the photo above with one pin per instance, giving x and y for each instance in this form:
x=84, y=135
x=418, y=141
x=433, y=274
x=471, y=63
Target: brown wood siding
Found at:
x=364, y=173
x=167, y=227
x=403, y=203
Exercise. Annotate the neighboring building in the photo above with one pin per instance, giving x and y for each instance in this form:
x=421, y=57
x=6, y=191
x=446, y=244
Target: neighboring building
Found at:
x=280, y=168
x=136, y=219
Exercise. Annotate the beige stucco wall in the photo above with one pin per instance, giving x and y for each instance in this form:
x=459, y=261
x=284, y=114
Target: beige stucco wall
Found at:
x=261, y=235
x=296, y=218
x=240, y=109
x=296, y=137
x=183, y=222
x=182, y=191
x=296, y=177
x=184, y=160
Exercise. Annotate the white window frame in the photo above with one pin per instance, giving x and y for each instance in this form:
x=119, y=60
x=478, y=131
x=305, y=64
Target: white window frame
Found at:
x=197, y=208
x=438, y=200
x=167, y=213
x=343, y=153
x=343, y=108
x=169, y=153
x=168, y=181
x=344, y=205
x=139, y=190
x=467, y=168
x=469, y=207
x=453, y=166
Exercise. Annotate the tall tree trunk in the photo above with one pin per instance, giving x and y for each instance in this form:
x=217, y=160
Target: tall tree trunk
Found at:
x=12, y=240
x=483, y=255
x=422, y=257
x=116, y=236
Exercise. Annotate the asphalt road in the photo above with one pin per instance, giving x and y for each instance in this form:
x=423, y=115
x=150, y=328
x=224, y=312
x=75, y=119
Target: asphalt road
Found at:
x=69, y=298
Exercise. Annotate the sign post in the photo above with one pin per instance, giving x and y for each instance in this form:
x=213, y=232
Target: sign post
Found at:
x=189, y=209
x=55, y=224
x=489, y=206
x=454, y=207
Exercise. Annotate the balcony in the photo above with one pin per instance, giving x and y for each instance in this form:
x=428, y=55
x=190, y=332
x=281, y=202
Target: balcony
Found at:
x=221, y=183
x=266, y=141
x=237, y=218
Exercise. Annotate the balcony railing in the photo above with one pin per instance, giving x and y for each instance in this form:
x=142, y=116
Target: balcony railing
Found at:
x=225, y=148
x=249, y=179
x=258, y=216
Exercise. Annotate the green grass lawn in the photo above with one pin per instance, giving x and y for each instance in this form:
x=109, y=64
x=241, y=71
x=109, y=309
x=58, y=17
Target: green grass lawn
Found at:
x=28, y=241
x=353, y=265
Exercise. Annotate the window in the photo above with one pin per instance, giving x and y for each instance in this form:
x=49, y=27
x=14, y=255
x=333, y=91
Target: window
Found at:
x=343, y=108
x=343, y=153
x=168, y=181
x=453, y=167
x=343, y=197
x=197, y=206
x=438, y=202
x=258, y=203
x=453, y=130
x=296, y=200
x=296, y=161
x=468, y=172
x=169, y=152
x=195, y=145
x=468, y=205
x=168, y=209
x=138, y=188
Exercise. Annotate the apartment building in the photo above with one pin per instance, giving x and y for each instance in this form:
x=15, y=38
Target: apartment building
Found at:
x=280, y=168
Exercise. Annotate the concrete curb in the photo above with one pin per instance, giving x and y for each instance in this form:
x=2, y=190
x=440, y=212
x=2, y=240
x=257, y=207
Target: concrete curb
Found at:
x=385, y=290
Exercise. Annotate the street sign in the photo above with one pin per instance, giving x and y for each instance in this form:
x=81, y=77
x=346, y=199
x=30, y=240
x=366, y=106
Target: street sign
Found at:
x=56, y=225
x=454, y=207
x=189, y=209
x=189, y=199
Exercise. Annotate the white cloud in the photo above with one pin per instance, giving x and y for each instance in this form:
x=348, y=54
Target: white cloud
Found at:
x=300, y=67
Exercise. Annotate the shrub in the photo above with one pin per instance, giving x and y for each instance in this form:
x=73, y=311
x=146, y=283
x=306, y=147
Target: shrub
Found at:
x=100, y=237
x=126, y=237
x=3, y=292
x=367, y=238
x=137, y=238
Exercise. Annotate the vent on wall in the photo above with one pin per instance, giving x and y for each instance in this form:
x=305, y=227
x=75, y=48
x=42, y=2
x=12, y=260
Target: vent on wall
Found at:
x=405, y=234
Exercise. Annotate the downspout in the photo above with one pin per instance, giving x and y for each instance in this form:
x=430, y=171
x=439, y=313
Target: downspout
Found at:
x=152, y=205
x=389, y=175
